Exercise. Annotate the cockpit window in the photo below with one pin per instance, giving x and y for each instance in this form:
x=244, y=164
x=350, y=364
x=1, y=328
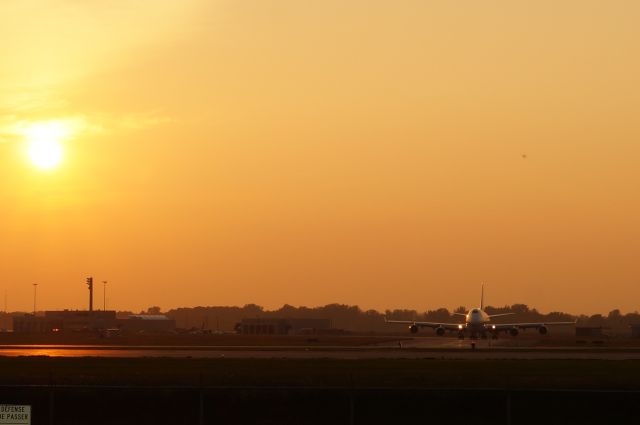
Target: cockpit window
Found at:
x=475, y=310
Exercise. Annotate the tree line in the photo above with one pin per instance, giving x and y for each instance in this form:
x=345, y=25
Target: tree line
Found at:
x=353, y=318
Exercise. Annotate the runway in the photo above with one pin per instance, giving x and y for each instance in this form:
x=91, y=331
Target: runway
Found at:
x=415, y=348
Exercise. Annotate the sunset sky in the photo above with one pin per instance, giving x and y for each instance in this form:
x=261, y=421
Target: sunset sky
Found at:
x=388, y=154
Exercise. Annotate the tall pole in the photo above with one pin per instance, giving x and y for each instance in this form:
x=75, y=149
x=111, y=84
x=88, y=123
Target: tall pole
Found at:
x=90, y=285
x=35, y=292
x=104, y=295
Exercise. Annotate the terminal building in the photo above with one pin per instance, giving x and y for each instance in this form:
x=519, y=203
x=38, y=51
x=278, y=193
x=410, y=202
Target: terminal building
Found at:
x=30, y=324
x=146, y=323
x=65, y=320
x=92, y=321
x=591, y=332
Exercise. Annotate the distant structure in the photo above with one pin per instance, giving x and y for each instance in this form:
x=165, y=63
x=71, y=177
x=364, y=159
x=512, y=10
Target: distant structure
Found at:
x=92, y=321
x=635, y=330
x=99, y=321
x=596, y=332
x=35, y=293
x=147, y=323
x=90, y=285
x=275, y=326
x=65, y=321
x=30, y=323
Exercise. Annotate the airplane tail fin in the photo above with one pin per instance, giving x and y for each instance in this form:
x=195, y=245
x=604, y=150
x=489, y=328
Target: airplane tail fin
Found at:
x=482, y=297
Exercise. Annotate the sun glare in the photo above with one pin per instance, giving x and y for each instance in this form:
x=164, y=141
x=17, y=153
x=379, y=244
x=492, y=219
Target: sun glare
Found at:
x=45, y=143
x=45, y=154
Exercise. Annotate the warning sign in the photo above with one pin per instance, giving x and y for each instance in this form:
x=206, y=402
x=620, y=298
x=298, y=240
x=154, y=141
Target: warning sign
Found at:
x=15, y=414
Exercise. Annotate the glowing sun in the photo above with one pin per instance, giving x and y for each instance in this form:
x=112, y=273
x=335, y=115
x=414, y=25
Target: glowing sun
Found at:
x=45, y=154
x=45, y=143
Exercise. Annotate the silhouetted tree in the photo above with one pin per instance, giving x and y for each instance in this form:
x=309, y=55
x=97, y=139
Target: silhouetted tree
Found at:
x=439, y=315
x=402, y=314
x=520, y=308
x=253, y=309
x=352, y=318
x=596, y=320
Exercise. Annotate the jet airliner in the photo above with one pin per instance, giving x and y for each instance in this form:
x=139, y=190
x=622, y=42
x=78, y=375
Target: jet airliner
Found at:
x=477, y=322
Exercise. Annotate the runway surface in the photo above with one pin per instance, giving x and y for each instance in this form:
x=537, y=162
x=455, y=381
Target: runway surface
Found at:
x=438, y=348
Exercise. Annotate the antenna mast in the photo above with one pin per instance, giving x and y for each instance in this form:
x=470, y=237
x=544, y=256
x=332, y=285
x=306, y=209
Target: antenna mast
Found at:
x=90, y=285
x=35, y=292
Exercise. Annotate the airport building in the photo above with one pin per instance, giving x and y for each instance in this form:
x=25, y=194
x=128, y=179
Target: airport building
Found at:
x=591, y=332
x=79, y=320
x=30, y=324
x=147, y=323
x=84, y=320
x=65, y=320
x=278, y=326
x=92, y=320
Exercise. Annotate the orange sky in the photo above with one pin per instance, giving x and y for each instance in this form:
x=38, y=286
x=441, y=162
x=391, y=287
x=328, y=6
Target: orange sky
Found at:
x=365, y=152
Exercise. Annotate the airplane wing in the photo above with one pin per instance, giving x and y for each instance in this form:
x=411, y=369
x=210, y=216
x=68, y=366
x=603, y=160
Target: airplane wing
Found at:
x=500, y=314
x=507, y=326
x=433, y=325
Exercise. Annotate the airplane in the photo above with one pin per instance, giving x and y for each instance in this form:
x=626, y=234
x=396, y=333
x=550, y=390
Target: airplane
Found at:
x=477, y=322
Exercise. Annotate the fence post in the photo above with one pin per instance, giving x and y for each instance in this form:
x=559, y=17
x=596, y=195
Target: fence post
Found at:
x=352, y=409
x=201, y=414
x=201, y=402
x=508, y=407
x=51, y=398
x=352, y=404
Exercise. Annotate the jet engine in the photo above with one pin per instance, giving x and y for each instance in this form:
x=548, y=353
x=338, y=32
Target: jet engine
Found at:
x=513, y=331
x=543, y=330
x=440, y=331
x=413, y=329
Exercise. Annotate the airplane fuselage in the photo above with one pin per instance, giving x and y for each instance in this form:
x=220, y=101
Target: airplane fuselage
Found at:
x=476, y=322
x=477, y=316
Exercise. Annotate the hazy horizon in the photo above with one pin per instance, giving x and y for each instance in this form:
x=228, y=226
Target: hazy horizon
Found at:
x=144, y=310
x=371, y=152
x=98, y=305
